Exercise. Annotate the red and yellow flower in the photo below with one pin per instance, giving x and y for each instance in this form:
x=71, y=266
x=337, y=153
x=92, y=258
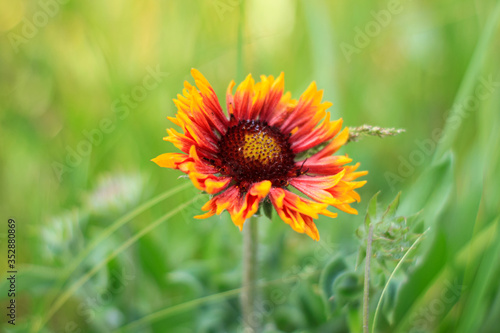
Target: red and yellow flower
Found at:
x=253, y=154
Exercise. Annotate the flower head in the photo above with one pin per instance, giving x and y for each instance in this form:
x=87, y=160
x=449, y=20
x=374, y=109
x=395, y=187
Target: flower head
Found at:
x=258, y=151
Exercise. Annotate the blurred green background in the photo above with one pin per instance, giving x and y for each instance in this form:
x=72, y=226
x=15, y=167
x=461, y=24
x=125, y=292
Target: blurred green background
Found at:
x=85, y=89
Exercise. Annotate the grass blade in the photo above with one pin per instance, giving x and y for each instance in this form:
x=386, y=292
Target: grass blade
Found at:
x=466, y=87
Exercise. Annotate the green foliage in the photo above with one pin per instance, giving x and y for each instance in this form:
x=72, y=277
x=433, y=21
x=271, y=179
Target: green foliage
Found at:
x=392, y=235
x=392, y=240
x=336, y=267
x=107, y=240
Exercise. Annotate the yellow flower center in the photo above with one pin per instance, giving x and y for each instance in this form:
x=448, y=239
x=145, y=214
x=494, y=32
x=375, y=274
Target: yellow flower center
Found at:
x=252, y=151
x=261, y=147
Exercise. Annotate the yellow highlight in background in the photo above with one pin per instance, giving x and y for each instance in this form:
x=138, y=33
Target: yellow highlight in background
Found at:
x=11, y=13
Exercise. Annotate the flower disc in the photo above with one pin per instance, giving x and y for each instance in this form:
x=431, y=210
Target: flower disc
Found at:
x=253, y=151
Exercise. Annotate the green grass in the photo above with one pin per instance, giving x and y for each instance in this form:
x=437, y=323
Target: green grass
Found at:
x=112, y=245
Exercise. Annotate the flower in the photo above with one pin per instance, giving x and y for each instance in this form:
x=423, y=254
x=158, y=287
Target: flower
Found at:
x=258, y=151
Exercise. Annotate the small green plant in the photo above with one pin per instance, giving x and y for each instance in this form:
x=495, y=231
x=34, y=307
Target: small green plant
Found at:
x=386, y=241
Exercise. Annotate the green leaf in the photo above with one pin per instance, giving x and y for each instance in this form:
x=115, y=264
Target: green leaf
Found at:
x=268, y=209
x=361, y=255
x=330, y=273
x=371, y=213
x=310, y=304
x=347, y=286
x=487, y=39
x=421, y=277
x=485, y=282
x=389, y=300
x=433, y=191
x=390, y=213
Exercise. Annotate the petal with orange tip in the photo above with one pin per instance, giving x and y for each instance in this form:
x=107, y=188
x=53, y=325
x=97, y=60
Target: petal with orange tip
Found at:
x=329, y=165
x=243, y=98
x=298, y=212
x=308, y=111
x=250, y=205
x=212, y=109
x=334, y=145
x=302, y=141
x=209, y=183
x=269, y=97
x=171, y=160
x=240, y=208
x=316, y=187
x=221, y=202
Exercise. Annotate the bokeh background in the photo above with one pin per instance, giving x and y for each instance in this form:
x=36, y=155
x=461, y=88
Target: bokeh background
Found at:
x=85, y=89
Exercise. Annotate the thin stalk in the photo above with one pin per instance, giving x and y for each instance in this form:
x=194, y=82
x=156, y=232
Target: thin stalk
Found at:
x=249, y=290
x=366, y=292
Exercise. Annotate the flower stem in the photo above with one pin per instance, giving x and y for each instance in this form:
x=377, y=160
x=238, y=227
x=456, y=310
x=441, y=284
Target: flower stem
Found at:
x=366, y=292
x=249, y=290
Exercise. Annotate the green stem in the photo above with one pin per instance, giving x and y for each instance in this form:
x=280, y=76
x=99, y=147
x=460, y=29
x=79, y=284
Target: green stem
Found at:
x=249, y=290
x=366, y=292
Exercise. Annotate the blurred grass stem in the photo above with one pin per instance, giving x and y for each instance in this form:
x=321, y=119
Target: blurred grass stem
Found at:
x=249, y=290
x=366, y=291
